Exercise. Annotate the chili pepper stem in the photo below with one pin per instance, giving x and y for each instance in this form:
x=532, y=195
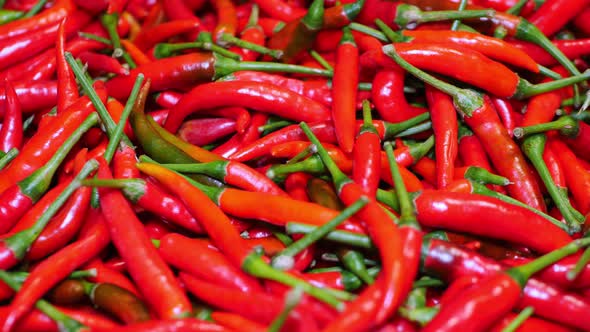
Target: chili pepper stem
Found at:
x=408, y=216
x=344, y=237
x=225, y=66
x=369, y=31
x=484, y=176
x=566, y=125
x=310, y=238
x=318, y=57
x=522, y=316
x=230, y=39
x=254, y=265
x=164, y=50
x=580, y=265
x=8, y=157
x=533, y=147
x=456, y=23
x=396, y=129
x=292, y=299
x=391, y=35
x=133, y=188
x=409, y=16
x=526, y=89
x=109, y=21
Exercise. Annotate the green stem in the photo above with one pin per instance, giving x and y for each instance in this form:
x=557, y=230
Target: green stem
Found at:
x=225, y=66
x=64, y=322
x=462, y=6
x=580, y=265
x=292, y=299
x=35, y=9
x=416, y=129
x=549, y=73
x=313, y=164
x=343, y=237
x=368, y=125
x=215, y=169
x=20, y=242
x=409, y=16
x=517, y=8
x=525, y=89
x=369, y=31
x=391, y=35
x=118, y=132
x=275, y=125
x=36, y=184
x=354, y=261
x=284, y=259
x=420, y=150
x=233, y=40
x=427, y=282
x=109, y=21
x=8, y=157
x=482, y=175
x=524, y=272
x=133, y=189
x=314, y=19
x=86, y=84
x=388, y=198
x=524, y=314
x=310, y=149
x=320, y=59
x=253, y=19
x=94, y=37
x=255, y=266
x=465, y=100
x=567, y=126
x=164, y=50
x=408, y=216
x=533, y=147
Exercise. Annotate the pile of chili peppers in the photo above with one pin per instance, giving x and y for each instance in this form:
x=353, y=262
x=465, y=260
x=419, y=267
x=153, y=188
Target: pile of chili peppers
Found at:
x=294, y=165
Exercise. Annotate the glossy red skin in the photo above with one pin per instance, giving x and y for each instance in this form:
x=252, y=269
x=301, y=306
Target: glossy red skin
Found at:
x=105, y=274
x=13, y=205
x=245, y=177
x=581, y=143
x=195, y=256
x=206, y=130
x=367, y=162
x=33, y=96
x=101, y=63
x=576, y=176
x=68, y=88
x=531, y=324
x=55, y=14
x=253, y=35
x=149, y=37
x=388, y=96
x=445, y=125
x=11, y=133
x=261, y=97
x=238, y=140
x=554, y=14
x=345, y=81
x=280, y=10
x=237, y=322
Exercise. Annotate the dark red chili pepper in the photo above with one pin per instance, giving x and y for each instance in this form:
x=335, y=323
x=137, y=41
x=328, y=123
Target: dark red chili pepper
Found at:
x=186, y=70
x=11, y=133
x=195, y=256
x=346, y=76
x=102, y=63
x=67, y=90
x=444, y=123
x=258, y=96
x=144, y=264
x=205, y=131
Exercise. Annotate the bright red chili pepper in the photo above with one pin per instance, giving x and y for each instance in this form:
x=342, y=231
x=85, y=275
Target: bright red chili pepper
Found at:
x=578, y=179
x=55, y=14
x=236, y=322
x=33, y=96
x=388, y=96
x=532, y=324
x=11, y=133
x=102, y=63
x=149, y=37
x=67, y=90
x=252, y=133
x=153, y=277
x=188, y=324
x=280, y=10
x=105, y=274
x=366, y=166
x=554, y=14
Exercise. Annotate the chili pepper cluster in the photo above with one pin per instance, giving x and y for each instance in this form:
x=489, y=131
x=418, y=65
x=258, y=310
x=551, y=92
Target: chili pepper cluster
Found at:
x=294, y=165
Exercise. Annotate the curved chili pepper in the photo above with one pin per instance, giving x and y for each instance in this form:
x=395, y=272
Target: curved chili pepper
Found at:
x=502, y=150
x=102, y=63
x=280, y=10
x=93, y=238
x=32, y=96
x=68, y=90
x=507, y=287
x=224, y=235
x=236, y=322
x=117, y=301
x=385, y=295
x=33, y=321
x=578, y=179
x=144, y=264
x=11, y=133
x=345, y=87
x=205, y=131
x=135, y=53
x=509, y=117
x=149, y=37
x=252, y=133
x=227, y=20
x=388, y=96
x=444, y=122
x=471, y=67
x=43, y=145
x=106, y=274
x=258, y=96
x=366, y=166
x=493, y=48
x=195, y=256
x=55, y=14
x=186, y=70
x=572, y=49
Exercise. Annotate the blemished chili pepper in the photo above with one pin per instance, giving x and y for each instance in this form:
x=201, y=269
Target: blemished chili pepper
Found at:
x=67, y=90
x=144, y=264
x=117, y=301
x=551, y=16
x=258, y=306
x=11, y=133
x=224, y=235
x=102, y=63
x=484, y=121
x=471, y=67
x=261, y=97
x=388, y=96
x=236, y=322
x=149, y=37
x=185, y=70
x=444, y=122
x=298, y=35
x=345, y=87
x=384, y=295
x=42, y=146
x=195, y=256
x=109, y=275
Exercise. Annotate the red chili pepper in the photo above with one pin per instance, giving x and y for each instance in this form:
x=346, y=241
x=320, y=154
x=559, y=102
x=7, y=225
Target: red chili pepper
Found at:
x=105, y=274
x=93, y=238
x=197, y=257
x=33, y=96
x=444, y=123
x=541, y=108
x=11, y=133
x=33, y=321
x=146, y=267
x=205, y=131
x=227, y=18
x=236, y=322
x=102, y=63
x=578, y=179
x=388, y=96
x=280, y=10
x=552, y=15
x=509, y=117
x=258, y=96
x=149, y=37
x=55, y=14
x=188, y=324
x=344, y=95
x=252, y=33
x=68, y=90
x=366, y=166
x=252, y=133
x=532, y=324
